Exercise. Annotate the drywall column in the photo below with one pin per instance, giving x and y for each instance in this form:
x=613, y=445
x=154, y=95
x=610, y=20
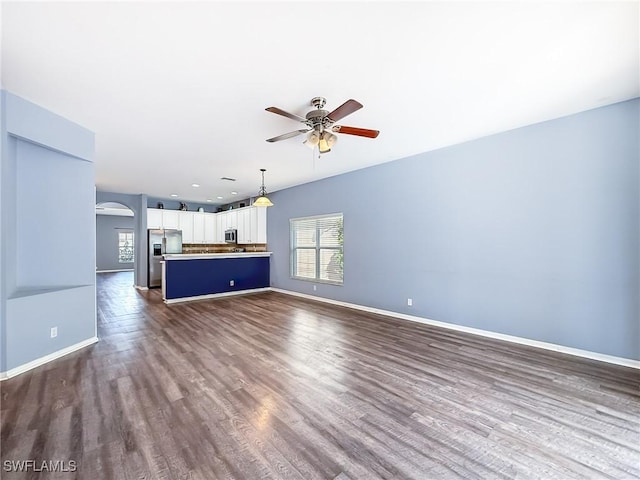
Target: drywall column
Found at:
x=48, y=236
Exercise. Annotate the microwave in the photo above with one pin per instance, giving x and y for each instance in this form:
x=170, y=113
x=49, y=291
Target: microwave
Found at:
x=231, y=235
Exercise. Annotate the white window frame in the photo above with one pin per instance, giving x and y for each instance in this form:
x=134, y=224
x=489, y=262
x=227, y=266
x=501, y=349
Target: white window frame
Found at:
x=121, y=246
x=318, y=248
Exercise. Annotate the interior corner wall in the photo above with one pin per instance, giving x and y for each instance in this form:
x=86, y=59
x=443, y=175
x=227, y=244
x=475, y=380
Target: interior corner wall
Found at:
x=45, y=156
x=534, y=232
x=138, y=204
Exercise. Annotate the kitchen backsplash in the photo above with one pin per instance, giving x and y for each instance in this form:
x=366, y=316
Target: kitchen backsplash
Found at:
x=227, y=247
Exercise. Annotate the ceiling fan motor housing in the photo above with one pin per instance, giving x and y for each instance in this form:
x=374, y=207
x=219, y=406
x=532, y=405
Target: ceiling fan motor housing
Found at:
x=317, y=119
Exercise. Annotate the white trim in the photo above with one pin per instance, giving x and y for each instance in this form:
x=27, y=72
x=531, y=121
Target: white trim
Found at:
x=46, y=359
x=141, y=288
x=216, y=295
x=626, y=362
x=112, y=271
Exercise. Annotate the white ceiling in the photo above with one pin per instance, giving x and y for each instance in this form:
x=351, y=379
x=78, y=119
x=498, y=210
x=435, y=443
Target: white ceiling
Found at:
x=176, y=91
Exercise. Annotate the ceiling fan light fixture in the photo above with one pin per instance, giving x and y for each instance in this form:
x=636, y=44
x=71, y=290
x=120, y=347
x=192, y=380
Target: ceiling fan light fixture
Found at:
x=323, y=146
x=327, y=140
x=312, y=140
x=331, y=139
x=262, y=200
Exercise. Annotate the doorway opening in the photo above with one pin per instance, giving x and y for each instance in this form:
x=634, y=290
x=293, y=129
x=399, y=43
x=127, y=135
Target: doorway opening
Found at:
x=115, y=238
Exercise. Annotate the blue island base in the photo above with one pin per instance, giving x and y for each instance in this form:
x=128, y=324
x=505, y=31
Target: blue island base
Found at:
x=192, y=279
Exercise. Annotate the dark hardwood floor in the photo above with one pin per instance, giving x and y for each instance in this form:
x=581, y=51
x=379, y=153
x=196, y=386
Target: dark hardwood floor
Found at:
x=273, y=386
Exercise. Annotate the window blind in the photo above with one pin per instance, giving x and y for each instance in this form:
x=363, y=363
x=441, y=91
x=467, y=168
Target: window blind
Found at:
x=317, y=248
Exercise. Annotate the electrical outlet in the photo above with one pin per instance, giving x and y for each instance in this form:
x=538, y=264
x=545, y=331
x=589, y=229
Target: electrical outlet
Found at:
x=314, y=288
x=54, y=332
x=409, y=301
x=231, y=283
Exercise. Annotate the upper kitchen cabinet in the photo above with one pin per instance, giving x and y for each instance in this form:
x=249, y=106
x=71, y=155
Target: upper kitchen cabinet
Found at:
x=260, y=224
x=209, y=227
x=154, y=218
x=186, y=223
x=171, y=219
x=252, y=225
x=232, y=219
x=198, y=227
x=225, y=221
x=221, y=226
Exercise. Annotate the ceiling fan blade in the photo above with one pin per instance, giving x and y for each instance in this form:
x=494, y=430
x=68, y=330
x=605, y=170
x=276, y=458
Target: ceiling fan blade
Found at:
x=361, y=132
x=284, y=136
x=345, y=109
x=285, y=114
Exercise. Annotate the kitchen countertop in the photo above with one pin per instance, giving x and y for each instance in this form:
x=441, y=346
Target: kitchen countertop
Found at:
x=214, y=256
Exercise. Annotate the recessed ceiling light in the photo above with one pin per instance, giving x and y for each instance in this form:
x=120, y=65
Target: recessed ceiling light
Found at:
x=219, y=198
x=209, y=200
x=234, y=193
x=174, y=194
x=195, y=185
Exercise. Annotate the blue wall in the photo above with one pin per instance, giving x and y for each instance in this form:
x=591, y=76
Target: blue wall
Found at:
x=48, y=247
x=107, y=229
x=533, y=232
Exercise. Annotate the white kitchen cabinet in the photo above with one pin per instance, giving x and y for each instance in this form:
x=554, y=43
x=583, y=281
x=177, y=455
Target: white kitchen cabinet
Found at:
x=154, y=218
x=171, y=219
x=243, y=217
x=221, y=225
x=225, y=221
x=209, y=228
x=232, y=219
x=185, y=223
x=198, y=227
x=260, y=235
x=252, y=225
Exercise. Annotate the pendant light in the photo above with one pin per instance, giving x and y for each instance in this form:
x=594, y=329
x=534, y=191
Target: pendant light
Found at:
x=262, y=200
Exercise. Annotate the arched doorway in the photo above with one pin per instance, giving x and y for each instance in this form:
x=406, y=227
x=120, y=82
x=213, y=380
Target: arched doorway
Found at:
x=115, y=238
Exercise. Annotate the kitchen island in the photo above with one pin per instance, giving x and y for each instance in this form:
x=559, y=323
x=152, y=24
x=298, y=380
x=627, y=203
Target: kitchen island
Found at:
x=209, y=275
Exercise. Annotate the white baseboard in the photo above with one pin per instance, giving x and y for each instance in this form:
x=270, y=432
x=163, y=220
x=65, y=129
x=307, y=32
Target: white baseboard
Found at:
x=46, y=359
x=626, y=362
x=113, y=271
x=141, y=288
x=216, y=295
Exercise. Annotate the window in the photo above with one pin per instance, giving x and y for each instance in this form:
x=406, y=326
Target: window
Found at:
x=125, y=247
x=316, y=248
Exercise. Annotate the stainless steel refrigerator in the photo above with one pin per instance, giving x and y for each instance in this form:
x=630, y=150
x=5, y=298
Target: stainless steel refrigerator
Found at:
x=161, y=242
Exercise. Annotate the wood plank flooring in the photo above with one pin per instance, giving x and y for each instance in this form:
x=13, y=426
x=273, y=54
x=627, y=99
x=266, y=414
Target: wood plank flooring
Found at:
x=273, y=386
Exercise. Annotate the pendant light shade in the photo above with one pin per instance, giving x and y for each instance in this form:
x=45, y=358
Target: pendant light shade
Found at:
x=262, y=200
